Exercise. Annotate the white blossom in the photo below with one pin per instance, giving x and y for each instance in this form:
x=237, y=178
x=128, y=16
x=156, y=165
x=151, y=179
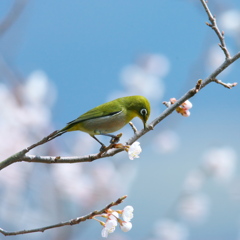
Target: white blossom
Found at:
x=215, y=59
x=220, y=162
x=194, y=181
x=194, y=207
x=166, y=141
x=134, y=150
x=187, y=105
x=114, y=216
x=127, y=213
x=126, y=226
x=183, y=109
x=145, y=76
x=109, y=227
x=186, y=113
x=230, y=21
x=170, y=230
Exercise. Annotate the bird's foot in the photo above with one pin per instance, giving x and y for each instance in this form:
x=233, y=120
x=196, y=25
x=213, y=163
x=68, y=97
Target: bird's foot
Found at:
x=102, y=148
x=115, y=139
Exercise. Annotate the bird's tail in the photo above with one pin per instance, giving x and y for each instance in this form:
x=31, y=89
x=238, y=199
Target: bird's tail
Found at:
x=48, y=138
x=55, y=134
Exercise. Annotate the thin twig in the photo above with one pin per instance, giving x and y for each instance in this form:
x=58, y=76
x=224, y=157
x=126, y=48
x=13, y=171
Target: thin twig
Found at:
x=12, y=16
x=133, y=127
x=70, y=222
x=214, y=26
x=226, y=85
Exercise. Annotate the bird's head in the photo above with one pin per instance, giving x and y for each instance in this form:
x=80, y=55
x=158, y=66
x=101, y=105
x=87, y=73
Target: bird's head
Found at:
x=142, y=108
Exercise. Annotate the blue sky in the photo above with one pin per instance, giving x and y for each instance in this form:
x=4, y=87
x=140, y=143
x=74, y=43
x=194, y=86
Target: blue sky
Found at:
x=83, y=46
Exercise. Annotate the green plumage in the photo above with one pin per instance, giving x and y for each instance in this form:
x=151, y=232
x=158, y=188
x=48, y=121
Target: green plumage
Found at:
x=110, y=117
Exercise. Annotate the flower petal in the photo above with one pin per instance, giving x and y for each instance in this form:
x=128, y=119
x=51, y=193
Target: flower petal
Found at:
x=126, y=226
x=134, y=150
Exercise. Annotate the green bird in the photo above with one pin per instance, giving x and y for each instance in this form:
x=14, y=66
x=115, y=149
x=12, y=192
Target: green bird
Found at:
x=109, y=117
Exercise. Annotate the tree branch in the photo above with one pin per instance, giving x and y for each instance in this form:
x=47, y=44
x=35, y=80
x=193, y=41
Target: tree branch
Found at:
x=70, y=222
x=13, y=15
x=22, y=157
x=214, y=26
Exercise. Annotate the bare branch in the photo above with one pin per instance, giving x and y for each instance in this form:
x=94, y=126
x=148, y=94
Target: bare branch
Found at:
x=227, y=85
x=214, y=26
x=70, y=222
x=221, y=68
x=13, y=15
x=133, y=127
x=198, y=85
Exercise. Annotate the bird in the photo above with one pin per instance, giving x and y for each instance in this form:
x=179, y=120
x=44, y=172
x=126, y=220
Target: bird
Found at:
x=109, y=117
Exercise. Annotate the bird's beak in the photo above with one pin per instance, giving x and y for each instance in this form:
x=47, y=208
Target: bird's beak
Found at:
x=145, y=125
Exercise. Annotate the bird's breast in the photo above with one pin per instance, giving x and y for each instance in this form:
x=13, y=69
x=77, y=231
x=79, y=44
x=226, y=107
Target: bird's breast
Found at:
x=106, y=124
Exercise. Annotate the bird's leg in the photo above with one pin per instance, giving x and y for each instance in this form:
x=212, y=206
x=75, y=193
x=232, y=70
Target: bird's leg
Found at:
x=114, y=138
x=103, y=147
x=113, y=141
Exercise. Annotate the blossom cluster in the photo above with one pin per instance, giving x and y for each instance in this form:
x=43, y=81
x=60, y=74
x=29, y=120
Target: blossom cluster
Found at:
x=183, y=108
x=113, y=220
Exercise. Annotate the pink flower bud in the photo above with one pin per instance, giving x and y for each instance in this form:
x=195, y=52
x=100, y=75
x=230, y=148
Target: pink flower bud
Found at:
x=186, y=113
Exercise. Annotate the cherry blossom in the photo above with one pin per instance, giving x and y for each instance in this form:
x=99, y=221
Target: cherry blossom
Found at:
x=134, y=150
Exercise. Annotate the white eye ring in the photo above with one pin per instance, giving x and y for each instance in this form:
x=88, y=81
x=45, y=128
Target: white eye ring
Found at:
x=143, y=112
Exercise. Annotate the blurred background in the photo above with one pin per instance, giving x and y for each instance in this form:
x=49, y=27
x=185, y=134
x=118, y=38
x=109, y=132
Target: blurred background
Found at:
x=59, y=59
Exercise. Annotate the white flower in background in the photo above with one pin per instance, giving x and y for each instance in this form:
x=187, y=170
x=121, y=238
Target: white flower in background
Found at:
x=170, y=230
x=166, y=141
x=134, y=150
x=127, y=213
x=126, y=226
x=38, y=95
x=215, y=59
x=230, y=21
x=82, y=187
x=144, y=77
x=137, y=80
x=39, y=90
x=155, y=64
x=194, y=181
x=194, y=207
x=220, y=162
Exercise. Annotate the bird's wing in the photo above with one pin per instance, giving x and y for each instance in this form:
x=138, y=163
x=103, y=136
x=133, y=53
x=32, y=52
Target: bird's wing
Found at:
x=97, y=112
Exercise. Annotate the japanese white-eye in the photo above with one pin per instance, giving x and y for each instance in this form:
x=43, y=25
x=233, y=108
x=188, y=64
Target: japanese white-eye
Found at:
x=109, y=117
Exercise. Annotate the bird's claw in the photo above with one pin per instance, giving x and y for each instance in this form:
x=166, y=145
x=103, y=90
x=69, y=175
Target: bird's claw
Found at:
x=102, y=148
x=113, y=144
x=115, y=139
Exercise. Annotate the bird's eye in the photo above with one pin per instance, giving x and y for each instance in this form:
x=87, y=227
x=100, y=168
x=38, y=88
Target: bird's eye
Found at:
x=143, y=112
